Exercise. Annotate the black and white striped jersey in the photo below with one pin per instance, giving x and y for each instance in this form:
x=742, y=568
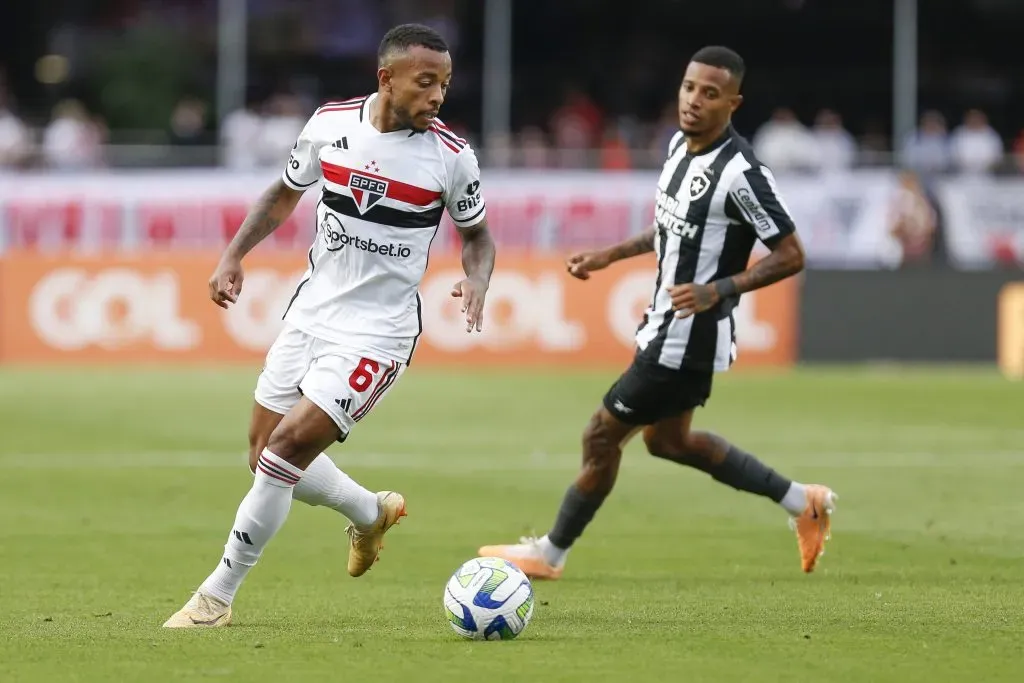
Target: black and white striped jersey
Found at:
x=710, y=209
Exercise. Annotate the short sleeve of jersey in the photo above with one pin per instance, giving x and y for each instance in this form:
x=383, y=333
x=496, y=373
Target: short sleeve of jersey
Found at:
x=463, y=197
x=760, y=205
x=303, y=167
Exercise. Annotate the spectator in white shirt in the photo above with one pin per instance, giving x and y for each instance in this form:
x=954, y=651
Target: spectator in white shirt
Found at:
x=783, y=143
x=240, y=138
x=976, y=147
x=72, y=140
x=836, y=147
x=284, y=120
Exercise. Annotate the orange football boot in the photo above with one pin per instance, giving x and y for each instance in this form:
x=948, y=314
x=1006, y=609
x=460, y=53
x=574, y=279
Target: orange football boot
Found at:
x=813, y=527
x=527, y=555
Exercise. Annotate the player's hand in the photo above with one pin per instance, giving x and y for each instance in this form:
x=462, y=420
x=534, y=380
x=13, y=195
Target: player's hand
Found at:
x=691, y=299
x=226, y=282
x=582, y=264
x=472, y=291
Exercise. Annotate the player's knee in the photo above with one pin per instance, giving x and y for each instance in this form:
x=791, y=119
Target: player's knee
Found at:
x=661, y=445
x=705, y=450
x=287, y=442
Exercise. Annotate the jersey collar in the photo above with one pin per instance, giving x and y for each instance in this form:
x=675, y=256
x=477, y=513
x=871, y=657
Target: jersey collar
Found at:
x=726, y=135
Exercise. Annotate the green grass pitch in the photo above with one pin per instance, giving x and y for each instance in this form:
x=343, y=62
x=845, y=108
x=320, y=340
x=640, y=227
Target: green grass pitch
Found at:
x=118, y=488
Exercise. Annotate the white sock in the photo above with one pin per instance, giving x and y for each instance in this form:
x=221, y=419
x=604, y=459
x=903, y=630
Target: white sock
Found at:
x=324, y=484
x=261, y=514
x=553, y=555
x=795, y=500
x=225, y=580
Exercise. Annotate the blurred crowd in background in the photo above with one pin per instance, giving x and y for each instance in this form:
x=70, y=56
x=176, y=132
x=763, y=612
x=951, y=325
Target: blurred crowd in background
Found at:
x=132, y=83
x=577, y=134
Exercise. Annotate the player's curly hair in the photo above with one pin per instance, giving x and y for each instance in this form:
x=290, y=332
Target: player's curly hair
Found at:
x=722, y=58
x=404, y=36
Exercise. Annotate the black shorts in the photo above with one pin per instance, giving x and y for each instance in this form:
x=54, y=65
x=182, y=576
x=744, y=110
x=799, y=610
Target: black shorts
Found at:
x=647, y=392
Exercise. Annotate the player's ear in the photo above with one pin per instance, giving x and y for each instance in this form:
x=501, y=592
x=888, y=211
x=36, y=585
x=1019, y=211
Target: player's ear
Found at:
x=735, y=102
x=384, y=76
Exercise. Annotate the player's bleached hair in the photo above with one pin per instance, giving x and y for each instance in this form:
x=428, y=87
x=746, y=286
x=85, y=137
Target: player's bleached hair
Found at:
x=404, y=36
x=722, y=58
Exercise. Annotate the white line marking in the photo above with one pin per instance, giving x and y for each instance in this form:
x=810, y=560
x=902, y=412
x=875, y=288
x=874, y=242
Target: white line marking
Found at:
x=454, y=463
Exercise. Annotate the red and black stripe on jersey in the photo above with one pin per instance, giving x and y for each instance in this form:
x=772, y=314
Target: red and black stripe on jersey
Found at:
x=385, y=215
x=447, y=137
x=347, y=105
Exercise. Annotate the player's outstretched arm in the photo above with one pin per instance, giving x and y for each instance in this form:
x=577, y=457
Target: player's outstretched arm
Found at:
x=271, y=210
x=582, y=264
x=478, y=253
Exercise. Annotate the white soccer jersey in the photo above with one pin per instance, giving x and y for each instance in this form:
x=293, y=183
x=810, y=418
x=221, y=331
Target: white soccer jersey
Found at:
x=382, y=199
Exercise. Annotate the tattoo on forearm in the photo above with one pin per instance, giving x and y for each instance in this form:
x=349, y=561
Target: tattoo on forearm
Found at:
x=264, y=217
x=641, y=244
x=775, y=266
x=477, y=252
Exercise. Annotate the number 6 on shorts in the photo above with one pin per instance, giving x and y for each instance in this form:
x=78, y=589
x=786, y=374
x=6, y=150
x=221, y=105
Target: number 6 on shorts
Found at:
x=347, y=387
x=370, y=380
x=361, y=378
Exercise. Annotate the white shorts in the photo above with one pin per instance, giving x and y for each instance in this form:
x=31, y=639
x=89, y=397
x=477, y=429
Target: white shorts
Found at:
x=343, y=384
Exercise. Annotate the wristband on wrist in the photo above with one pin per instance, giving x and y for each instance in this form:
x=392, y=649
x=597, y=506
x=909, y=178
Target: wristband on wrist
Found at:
x=726, y=287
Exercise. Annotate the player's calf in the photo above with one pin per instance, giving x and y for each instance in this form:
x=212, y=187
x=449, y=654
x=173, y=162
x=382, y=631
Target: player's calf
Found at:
x=323, y=484
x=261, y=513
x=544, y=558
x=261, y=425
x=810, y=506
x=294, y=443
x=603, y=439
x=602, y=454
x=715, y=456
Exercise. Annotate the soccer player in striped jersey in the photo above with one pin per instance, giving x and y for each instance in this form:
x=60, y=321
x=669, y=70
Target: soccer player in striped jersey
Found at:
x=714, y=200
x=389, y=168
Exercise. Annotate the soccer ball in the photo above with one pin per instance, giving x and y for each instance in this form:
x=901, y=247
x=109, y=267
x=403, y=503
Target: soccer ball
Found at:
x=488, y=598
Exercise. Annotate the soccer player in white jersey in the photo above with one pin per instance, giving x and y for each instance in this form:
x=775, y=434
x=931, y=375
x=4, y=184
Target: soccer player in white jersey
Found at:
x=389, y=169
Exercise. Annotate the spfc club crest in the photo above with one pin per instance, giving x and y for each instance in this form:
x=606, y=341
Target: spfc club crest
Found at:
x=367, y=190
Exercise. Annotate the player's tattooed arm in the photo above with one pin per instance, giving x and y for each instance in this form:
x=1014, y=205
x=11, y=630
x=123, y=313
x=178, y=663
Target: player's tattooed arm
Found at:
x=272, y=208
x=478, y=263
x=478, y=251
x=641, y=244
x=581, y=264
x=785, y=259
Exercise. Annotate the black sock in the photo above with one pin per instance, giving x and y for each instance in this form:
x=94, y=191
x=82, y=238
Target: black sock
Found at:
x=744, y=472
x=577, y=510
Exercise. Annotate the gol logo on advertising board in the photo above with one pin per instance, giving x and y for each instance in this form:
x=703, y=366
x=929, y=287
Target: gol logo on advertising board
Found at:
x=155, y=308
x=70, y=309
